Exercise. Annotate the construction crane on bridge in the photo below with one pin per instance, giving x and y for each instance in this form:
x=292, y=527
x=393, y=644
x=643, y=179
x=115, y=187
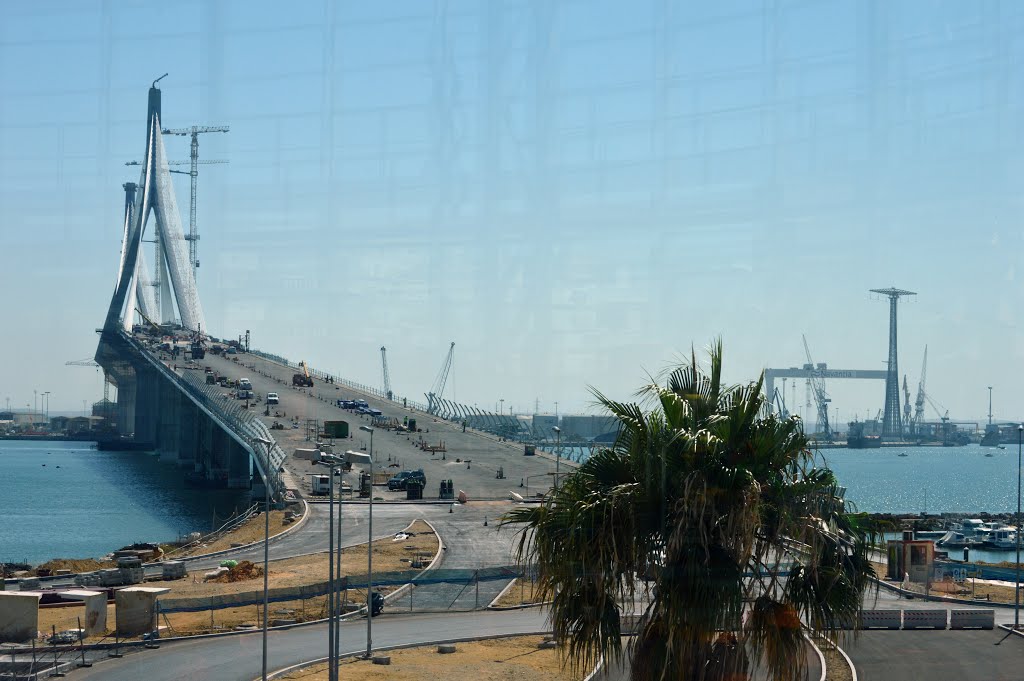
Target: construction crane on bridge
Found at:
x=193, y=235
x=821, y=398
x=384, y=371
x=437, y=390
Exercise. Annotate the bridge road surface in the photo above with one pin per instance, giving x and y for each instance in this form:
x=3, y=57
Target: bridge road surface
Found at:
x=479, y=479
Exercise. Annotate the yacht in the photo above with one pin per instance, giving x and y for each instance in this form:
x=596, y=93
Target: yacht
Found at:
x=1000, y=537
x=968, y=532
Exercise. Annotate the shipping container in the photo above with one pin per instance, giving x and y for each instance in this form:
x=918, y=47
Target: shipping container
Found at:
x=336, y=429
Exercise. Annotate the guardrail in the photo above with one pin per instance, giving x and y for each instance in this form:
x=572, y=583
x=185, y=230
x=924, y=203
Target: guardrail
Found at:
x=243, y=422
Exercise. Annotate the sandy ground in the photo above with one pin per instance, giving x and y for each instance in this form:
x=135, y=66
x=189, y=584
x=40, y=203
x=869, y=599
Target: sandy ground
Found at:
x=508, y=659
x=977, y=589
x=246, y=533
x=520, y=593
x=388, y=556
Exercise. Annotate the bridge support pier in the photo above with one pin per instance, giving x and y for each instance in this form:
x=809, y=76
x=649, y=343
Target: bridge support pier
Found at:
x=147, y=405
x=169, y=440
x=259, y=486
x=188, y=433
x=239, y=476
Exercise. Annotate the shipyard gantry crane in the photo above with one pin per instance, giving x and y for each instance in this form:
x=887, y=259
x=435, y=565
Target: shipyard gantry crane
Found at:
x=437, y=390
x=384, y=371
x=821, y=398
x=193, y=236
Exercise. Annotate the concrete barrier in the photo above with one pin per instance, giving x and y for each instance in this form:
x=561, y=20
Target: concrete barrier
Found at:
x=972, y=619
x=880, y=619
x=925, y=619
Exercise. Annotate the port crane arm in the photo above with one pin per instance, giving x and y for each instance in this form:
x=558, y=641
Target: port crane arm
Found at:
x=384, y=371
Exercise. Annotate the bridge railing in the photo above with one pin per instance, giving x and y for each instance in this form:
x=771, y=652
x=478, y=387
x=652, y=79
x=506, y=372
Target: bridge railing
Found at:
x=242, y=421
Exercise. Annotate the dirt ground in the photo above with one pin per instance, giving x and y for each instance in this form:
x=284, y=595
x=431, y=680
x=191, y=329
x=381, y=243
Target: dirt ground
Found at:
x=509, y=659
x=520, y=593
x=836, y=666
x=970, y=589
x=388, y=555
x=248, y=532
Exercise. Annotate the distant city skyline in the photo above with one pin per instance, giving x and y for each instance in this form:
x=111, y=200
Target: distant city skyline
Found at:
x=574, y=193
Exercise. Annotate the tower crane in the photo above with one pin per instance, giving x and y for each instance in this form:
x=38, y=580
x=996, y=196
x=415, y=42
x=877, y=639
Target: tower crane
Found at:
x=384, y=371
x=193, y=236
x=437, y=390
x=821, y=398
x=90, y=362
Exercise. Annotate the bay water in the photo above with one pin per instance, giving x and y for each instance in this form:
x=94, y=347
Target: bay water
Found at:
x=69, y=500
x=931, y=479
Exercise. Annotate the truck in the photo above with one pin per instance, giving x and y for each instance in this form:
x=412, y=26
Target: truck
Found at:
x=320, y=484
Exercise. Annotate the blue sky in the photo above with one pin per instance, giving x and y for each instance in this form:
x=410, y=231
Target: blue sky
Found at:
x=574, y=192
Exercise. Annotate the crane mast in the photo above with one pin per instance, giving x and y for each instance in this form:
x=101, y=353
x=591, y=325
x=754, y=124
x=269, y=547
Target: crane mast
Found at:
x=919, y=402
x=437, y=390
x=384, y=371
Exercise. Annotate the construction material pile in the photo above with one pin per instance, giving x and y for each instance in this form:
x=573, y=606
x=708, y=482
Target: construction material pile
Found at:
x=241, y=572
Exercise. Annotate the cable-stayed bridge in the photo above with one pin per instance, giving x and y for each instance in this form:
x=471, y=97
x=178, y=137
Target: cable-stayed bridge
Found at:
x=158, y=408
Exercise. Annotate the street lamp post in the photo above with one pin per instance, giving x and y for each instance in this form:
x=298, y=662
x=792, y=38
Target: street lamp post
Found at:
x=1016, y=589
x=369, y=556
x=558, y=453
x=266, y=549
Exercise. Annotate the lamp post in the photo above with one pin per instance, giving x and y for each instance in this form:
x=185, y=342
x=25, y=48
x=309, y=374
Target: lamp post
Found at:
x=1016, y=586
x=266, y=548
x=46, y=408
x=558, y=452
x=332, y=597
x=369, y=556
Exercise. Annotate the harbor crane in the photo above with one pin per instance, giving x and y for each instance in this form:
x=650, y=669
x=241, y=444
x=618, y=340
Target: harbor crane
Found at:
x=821, y=398
x=437, y=390
x=384, y=371
x=919, y=402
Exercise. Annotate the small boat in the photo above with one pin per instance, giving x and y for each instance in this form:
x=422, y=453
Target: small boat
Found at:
x=990, y=454
x=902, y=454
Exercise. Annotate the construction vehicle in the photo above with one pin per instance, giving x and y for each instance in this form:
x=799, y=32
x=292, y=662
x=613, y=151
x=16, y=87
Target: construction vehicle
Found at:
x=303, y=380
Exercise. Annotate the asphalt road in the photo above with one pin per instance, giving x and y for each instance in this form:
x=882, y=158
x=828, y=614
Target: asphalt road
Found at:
x=238, y=658
x=936, y=655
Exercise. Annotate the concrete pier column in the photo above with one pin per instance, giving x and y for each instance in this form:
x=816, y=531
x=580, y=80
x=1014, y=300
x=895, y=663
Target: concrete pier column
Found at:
x=239, y=476
x=169, y=423
x=126, y=389
x=147, y=405
x=259, y=490
x=188, y=433
x=135, y=610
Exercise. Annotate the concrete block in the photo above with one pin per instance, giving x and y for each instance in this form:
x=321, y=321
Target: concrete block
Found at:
x=174, y=569
x=880, y=619
x=446, y=648
x=135, y=610
x=95, y=620
x=925, y=619
x=382, y=659
x=972, y=619
x=19, y=616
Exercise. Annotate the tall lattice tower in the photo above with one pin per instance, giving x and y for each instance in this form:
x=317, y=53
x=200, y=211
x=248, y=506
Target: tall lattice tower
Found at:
x=892, y=426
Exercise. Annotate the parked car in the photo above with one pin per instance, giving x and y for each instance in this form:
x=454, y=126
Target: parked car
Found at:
x=272, y=398
x=401, y=480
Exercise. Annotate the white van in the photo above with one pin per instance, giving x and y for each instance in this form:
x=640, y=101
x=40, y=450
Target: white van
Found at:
x=244, y=384
x=272, y=398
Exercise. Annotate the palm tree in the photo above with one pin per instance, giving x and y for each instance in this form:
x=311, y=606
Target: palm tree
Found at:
x=711, y=507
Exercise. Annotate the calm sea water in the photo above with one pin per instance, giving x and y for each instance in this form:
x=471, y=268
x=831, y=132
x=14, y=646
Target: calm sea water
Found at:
x=95, y=502
x=933, y=479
